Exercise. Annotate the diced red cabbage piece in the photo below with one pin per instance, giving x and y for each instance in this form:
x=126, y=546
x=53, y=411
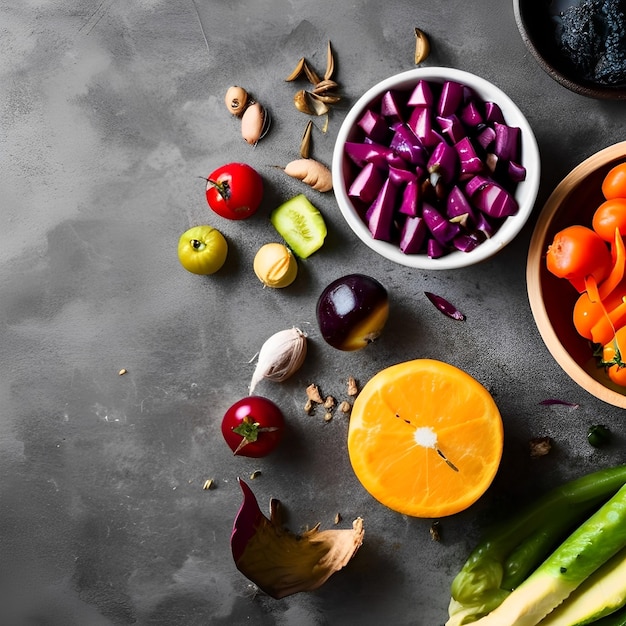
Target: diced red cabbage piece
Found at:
x=490, y=197
x=363, y=153
x=410, y=203
x=450, y=98
x=443, y=163
x=440, y=227
x=469, y=161
x=381, y=213
x=407, y=145
x=367, y=183
x=493, y=113
x=507, y=145
x=374, y=125
x=435, y=249
x=390, y=106
x=451, y=128
x=422, y=95
x=413, y=235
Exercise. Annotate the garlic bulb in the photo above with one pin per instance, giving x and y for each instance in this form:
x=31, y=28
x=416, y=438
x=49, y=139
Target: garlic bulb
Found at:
x=280, y=356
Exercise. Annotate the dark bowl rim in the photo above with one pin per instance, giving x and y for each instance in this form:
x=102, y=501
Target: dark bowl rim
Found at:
x=595, y=91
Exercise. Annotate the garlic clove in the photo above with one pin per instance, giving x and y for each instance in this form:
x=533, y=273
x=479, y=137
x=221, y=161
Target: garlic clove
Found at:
x=280, y=356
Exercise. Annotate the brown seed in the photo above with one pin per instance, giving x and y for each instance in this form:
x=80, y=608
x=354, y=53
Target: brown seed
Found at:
x=330, y=63
x=236, y=100
x=305, y=144
x=422, y=46
x=297, y=71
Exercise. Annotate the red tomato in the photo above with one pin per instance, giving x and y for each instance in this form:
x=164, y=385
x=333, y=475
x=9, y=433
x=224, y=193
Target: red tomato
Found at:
x=612, y=355
x=253, y=426
x=614, y=183
x=234, y=191
x=611, y=214
x=577, y=252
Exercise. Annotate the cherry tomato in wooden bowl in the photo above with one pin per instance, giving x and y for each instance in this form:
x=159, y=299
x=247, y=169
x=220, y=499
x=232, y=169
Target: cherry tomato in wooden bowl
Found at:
x=253, y=426
x=234, y=191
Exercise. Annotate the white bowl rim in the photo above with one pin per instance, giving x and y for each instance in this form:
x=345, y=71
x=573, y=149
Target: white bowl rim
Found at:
x=527, y=190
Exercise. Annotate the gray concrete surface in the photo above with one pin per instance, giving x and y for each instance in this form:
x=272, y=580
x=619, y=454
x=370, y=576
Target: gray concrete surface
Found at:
x=110, y=112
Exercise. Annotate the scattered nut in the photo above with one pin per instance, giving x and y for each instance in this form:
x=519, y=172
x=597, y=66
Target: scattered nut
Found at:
x=308, y=407
x=236, y=100
x=313, y=394
x=435, y=534
x=345, y=407
x=422, y=46
x=328, y=416
x=540, y=446
x=337, y=518
x=353, y=390
x=329, y=403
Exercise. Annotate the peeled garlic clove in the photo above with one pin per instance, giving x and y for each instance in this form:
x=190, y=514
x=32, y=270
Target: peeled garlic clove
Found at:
x=236, y=100
x=281, y=563
x=280, y=356
x=255, y=123
x=275, y=265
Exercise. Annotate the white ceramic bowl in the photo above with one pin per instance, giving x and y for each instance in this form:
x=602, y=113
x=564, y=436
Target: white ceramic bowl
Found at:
x=526, y=192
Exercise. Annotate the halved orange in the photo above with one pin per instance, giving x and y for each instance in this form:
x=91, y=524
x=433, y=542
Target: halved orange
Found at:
x=425, y=438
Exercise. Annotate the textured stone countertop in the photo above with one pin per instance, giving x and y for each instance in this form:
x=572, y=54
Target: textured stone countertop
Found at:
x=111, y=112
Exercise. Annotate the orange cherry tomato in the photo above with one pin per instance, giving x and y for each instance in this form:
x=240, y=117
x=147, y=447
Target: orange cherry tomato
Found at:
x=577, y=252
x=588, y=313
x=614, y=183
x=612, y=355
x=611, y=214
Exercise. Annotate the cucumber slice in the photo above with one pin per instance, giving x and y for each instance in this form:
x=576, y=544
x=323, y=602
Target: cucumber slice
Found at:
x=300, y=224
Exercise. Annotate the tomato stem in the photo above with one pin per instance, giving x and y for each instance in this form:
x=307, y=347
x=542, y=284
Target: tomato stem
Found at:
x=222, y=187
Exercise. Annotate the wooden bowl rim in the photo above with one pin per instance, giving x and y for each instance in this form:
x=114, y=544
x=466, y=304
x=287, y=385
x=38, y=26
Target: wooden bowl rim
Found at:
x=533, y=274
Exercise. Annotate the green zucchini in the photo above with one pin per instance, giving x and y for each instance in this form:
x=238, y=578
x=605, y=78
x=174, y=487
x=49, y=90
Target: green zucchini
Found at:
x=603, y=593
x=511, y=551
x=591, y=545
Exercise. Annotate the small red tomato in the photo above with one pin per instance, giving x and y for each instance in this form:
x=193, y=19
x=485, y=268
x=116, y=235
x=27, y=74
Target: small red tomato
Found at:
x=234, y=191
x=253, y=426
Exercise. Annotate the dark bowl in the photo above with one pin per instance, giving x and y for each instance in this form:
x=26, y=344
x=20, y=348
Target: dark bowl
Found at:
x=537, y=21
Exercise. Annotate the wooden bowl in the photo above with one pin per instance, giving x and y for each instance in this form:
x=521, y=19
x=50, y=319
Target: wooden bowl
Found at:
x=552, y=299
